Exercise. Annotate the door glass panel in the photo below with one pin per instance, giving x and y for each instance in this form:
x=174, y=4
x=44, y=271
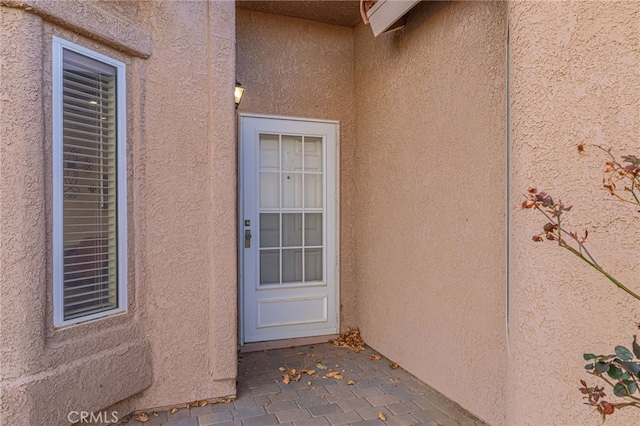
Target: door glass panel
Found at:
x=269, y=230
x=312, y=154
x=269, y=152
x=269, y=266
x=291, y=229
x=313, y=264
x=313, y=229
x=291, y=190
x=291, y=265
x=312, y=190
x=292, y=153
x=269, y=190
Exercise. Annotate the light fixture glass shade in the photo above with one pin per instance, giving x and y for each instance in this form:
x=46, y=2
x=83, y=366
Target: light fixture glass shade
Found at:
x=238, y=93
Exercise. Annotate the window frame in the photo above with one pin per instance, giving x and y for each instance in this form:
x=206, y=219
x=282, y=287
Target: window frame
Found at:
x=59, y=45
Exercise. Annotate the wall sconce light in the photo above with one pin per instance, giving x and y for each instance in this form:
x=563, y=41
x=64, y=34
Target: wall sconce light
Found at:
x=238, y=93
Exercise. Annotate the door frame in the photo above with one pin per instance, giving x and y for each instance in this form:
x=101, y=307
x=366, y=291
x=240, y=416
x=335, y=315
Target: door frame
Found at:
x=240, y=224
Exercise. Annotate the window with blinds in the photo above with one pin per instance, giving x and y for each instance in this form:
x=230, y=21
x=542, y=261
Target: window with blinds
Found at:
x=89, y=189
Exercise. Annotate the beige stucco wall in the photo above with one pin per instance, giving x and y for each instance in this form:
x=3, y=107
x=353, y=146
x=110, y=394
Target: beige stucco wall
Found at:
x=430, y=179
x=575, y=78
x=177, y=342
x=300, y=68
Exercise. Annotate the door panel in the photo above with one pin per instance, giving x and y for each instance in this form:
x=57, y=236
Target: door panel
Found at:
x=288, y=218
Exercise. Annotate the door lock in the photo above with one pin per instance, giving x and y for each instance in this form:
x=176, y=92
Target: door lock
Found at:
x=247, y=238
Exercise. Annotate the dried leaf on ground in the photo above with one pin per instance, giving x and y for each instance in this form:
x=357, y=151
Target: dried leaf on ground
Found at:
x=309, y=383
x=286, y=379
x=308, y=372
x=394, y=366
x=350, y=339
x=202, y=403
x=282, y=369
x=321, y=366
x=142, y=418
x=174, y=410
x=374, y=357
x=351, y=382
x=292, y=372
x=381, y=416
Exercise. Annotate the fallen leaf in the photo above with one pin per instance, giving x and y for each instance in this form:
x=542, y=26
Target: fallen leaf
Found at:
x=292, y=372
x=174, y=410
x=381, y=416
x=286, y=380
x=142, y=418
x=125, y=420
x=154, y=414
x=296, y=378
x=282, y=369
x=202, y=403
x=394, y=366
x=311, y=372
x=321, y=366
x=374, y=357
x=350, y=339
x=338, y=376
x=351, y=382
x=309, y=383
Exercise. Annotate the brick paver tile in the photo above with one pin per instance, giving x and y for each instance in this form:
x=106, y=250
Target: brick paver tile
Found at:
x=312, y=401
x=373, y=412
x=370, y=374
x=323, y=410
x=293, y=415
x=426, y=416
x=313, y=421
x=219, y=408
x=312, y=391
x=276, y=407
x=402, y=420
x=233, y=423
x=266, y=390
x=366, y=393
x=378, y=400
x=215, y=418
x=269, y=419
x=245, y=413
x=371, y=422
x=186, y=421
x=244, y=403
x=354, y=404
x=342, y=396
x=343, y=418
x=180, y=414
x=403, y=407
x=201, y=411
x=336, y=388
x=284, y=396
x=368, y=383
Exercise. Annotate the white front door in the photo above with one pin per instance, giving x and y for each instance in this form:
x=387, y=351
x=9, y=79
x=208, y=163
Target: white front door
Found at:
x=288, y=229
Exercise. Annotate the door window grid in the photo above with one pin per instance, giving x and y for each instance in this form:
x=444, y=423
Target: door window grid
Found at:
x=299, y=159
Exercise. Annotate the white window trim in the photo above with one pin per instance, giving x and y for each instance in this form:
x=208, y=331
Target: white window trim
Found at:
x=58, y=243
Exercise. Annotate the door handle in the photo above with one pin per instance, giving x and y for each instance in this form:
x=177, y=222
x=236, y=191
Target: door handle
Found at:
x=247, y=238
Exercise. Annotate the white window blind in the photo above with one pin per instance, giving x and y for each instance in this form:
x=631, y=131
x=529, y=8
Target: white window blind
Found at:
x=89, y=204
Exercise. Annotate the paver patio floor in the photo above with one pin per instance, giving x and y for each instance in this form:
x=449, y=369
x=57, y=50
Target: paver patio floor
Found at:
x=368, y=391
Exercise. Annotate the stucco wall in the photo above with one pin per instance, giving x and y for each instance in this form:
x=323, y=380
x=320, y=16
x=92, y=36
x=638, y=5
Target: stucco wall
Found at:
x=177, y=342
x=300, y=68
x=575, y=78
x=429, y=204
